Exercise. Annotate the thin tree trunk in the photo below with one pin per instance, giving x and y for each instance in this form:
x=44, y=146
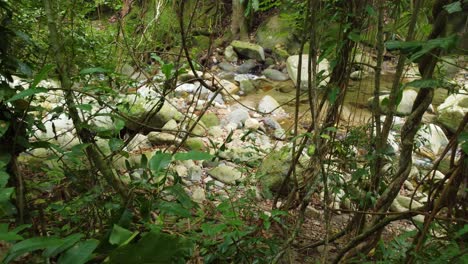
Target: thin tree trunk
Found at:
x=239, y=27
x=83, y=133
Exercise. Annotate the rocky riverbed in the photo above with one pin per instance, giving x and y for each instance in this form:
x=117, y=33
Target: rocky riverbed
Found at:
x=246, y=124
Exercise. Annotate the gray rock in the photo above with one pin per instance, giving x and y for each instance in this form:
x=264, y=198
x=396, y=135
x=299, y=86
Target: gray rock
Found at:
x=292, y=64
x=246, y=67
x=127, y=70
x=268, y=105
x=238, y=117
x=275, y=75
x=195, y=173
x=198, y=194
x=226, y=66
x=452, y=111
x=432, y=137
x=215, y=131
x=230, y=55
x=248, y=50
x=406, y=103
x=162, y=138
x=252, y=124
x=171, y=125
x=228, y=87
x=138, y=142
x=225, y=174
x=271, y=123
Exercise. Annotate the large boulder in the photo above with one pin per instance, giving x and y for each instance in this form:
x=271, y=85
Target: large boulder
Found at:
x=273, y=31
x=275, y=75
x=432, y=137
x=452, y=111
x=225, y=174
x=141, y=110
x=248, y=50
x=292, y=64
x=268, y=105
x=404, y=107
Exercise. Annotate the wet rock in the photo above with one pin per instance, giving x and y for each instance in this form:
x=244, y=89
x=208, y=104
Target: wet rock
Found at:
x=275, y=75
x=432, y=137
x=246, y=67
x=358, y=75
x=247, y=87
x=292, y=64
x=228, y=87
x=226, y=66
x=225, y=174
x=248, y=50
x=406, y=103
x=230, y=55
x=268, y=105
x=452, y=111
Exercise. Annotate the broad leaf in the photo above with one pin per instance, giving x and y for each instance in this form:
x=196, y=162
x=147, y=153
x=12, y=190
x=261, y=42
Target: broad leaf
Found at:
x=41, y=76
x=3, y=178
x=115, y=144
x=67, y=243
x=427, y=83
x=154, y=248
x=121, y=236
x=94, y=70
x=30, y=245
x=27, y=93
x=181, y=195
x=159, y=161
x=85, y=107
x=193, y=155
x=453, y=7
x=172, y=208
x=80, y=253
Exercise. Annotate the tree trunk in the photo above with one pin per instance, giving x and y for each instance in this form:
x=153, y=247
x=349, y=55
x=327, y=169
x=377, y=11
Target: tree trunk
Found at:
x=239, y=26
x=85, y=136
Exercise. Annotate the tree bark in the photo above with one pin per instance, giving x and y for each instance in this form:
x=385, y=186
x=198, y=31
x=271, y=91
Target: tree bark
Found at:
x=239, y=26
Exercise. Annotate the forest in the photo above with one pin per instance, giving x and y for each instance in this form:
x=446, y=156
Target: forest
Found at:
x=233, y=131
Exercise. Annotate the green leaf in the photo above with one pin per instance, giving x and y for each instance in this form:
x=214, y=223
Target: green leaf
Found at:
x=193, y=155
x=154, y=248
x=67, y=243
x=159, y=161
x=212, y=229
x=172, y=208
x=181, y=195
x=427, y=83
x=311, y=150
x=3, y=178
x=85, y=107
x=4, y=159
x=94, y=70
x=333, y=95
x=30, y=245
x=115, y=144
x=370, y=10
x=404, y=46
x=4, y=125
x=80, y=253
x=356, y=37
x=121, y=236
x=41, y=75
x=453, y=7
x=166, y=69
x=27, y=93
x=5, y=194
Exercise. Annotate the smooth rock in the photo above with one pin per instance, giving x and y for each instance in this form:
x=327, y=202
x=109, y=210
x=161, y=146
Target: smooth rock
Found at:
x=195, y=173
x=198, y=194
x=452, y=111
x=139, y=142
x=195, y=144
x=246, y=67
x=171, y=125
x=238, y=117
x=248, y=50
x=358, y=75
x=215, y=131
x=292, y=64
x=226, y=66
x=247, y=87
x=252, y=124
x=210, y=119
x=228, y=87
x=225, y=174
x=162, y=138
x=230, y=55
x=275, y=75
x=268, y=105
x=406, y=103
x=432, y=137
